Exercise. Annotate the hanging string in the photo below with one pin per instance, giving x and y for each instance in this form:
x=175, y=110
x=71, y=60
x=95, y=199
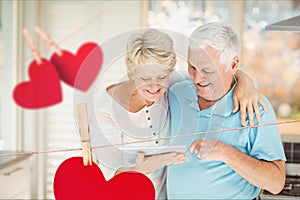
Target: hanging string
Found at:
x=71, y=35
x=150, y=140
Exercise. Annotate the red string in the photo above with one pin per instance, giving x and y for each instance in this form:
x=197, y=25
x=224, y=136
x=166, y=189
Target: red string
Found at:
x=150, y=140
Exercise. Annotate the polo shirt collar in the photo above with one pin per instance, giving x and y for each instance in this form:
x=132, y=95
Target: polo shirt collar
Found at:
x=223, y=107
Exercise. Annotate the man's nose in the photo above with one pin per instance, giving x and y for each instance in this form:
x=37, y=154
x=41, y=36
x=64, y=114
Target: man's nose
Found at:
x=198, y=76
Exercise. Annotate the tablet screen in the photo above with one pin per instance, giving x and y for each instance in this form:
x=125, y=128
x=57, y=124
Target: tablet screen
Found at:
x=130, y=153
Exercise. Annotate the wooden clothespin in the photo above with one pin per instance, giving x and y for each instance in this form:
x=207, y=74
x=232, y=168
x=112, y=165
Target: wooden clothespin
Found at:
x=84, y=134
x=50, y=42
x=32, y=47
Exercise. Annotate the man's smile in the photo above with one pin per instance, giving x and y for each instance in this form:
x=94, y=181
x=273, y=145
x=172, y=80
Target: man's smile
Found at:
x=203, y=84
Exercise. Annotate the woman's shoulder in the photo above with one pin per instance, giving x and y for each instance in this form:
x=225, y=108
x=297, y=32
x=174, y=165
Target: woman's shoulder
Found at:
x=114, y=94
x=104, y=102
x=119, y=88
x=114, y=89
x=120, y=92
x=105, y=98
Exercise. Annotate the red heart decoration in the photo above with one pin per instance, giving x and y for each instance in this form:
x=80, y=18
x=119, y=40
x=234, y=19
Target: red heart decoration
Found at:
x=74, y=181
x=42, y=90
x=80, y=70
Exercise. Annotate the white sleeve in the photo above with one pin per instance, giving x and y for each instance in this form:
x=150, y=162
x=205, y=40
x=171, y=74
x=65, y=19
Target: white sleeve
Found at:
x=104, y=119
x=106, y=133
x=108, y=128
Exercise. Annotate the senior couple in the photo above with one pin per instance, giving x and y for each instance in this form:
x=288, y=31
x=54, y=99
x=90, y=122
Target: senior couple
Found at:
x=156, y=102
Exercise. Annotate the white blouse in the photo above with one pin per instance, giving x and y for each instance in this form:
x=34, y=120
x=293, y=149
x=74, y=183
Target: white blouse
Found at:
x=118, y=125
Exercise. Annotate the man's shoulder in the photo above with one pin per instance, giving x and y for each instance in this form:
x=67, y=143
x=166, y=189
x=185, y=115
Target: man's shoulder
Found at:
x=179, y=75
x=180, y=92
x=266, y=116
x=180, y=86
x=268, y=104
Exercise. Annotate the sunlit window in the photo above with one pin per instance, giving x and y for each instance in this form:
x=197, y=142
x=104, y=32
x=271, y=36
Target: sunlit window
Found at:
x=1, y=64
x=185, y=16
x=272, y=58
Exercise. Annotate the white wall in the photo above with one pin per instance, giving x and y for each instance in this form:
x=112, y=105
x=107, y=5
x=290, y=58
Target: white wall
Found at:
x=71, y=23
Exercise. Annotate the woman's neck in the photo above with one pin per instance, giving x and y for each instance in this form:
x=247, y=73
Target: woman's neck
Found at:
x=137, y=102
x=128, y=97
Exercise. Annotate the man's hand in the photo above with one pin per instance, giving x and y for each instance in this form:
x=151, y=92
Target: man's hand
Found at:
x=210, y=149
x=269, y=175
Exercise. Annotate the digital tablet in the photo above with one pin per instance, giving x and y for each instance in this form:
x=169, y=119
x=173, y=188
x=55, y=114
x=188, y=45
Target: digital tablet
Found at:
x=130, y=153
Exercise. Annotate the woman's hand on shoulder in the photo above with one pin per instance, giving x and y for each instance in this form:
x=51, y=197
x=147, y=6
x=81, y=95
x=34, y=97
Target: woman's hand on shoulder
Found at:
x=247, y=99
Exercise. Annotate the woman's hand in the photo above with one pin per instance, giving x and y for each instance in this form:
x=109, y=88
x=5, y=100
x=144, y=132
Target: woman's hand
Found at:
x=246, y=98
x=150, y=164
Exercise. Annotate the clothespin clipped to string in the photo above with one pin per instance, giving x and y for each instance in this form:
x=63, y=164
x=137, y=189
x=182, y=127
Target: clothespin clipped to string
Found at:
x=49, y=41
x=84, y=134
x=32, y=47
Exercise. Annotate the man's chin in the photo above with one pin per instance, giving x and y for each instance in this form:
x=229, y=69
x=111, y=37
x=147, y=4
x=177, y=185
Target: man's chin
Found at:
x=205, y=98
x=204, y=95
x=209, y=98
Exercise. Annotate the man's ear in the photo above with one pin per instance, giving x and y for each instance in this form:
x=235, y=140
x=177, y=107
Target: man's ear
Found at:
x=234, y=64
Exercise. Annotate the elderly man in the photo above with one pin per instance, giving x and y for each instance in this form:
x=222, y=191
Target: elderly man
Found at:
x=221, y=165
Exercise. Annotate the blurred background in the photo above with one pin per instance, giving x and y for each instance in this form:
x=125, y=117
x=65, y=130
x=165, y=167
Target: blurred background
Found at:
x=271, y=58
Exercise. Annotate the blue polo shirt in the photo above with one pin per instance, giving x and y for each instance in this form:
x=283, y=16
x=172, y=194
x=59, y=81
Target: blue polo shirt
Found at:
x=198, y=179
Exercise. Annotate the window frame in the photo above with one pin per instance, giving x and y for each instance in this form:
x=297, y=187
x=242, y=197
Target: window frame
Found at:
x=9, y=113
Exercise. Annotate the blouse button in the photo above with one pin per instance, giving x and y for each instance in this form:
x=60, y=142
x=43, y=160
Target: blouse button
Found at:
x=150, y=126
x=156, y=142
x=147, y=111
x=154, y=133
x=148, y=118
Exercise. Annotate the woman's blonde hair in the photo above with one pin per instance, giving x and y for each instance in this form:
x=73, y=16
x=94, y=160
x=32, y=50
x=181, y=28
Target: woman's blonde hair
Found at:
x=149, y=47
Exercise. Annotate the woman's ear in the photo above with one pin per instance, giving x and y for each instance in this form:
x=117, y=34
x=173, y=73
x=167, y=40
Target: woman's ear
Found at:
x=131, y=74
x=234, y=64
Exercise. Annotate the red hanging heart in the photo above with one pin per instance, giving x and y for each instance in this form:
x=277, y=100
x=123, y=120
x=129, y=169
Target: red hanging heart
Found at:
x=74, y=181
x=42, y=90
x=80, y=70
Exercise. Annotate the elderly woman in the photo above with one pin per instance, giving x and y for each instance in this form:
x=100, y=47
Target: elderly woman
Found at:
x=137, y=109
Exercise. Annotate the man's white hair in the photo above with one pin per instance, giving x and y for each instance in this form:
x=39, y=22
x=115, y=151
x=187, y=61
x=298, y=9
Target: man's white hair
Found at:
x=220, y=37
